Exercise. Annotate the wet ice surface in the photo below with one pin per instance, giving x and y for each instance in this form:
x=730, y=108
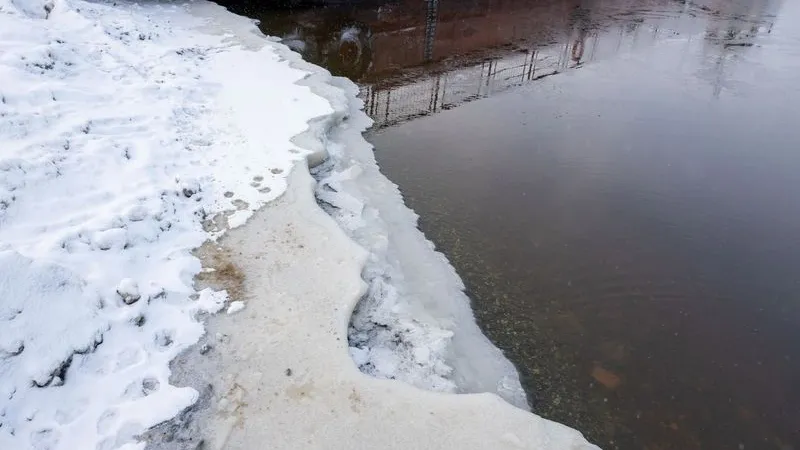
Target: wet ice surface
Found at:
x=615, y=183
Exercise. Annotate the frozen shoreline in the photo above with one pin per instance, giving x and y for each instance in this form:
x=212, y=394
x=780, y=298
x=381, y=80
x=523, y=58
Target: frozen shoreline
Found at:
x=281, y=375
x=414, y=322
x=296, y=386
x=197, y=155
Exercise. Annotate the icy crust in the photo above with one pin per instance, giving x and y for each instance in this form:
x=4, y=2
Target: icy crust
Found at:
x=124, y=146
x=414, y=323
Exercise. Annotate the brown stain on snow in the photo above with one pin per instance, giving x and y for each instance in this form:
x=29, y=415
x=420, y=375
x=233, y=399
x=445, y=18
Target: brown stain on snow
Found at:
x=223, y=273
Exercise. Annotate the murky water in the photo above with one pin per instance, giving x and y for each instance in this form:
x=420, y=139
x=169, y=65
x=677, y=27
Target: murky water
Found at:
x=617, y=183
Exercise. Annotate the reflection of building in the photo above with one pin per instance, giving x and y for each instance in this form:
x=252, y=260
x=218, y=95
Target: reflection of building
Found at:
x=453, y=27
x=417, y=57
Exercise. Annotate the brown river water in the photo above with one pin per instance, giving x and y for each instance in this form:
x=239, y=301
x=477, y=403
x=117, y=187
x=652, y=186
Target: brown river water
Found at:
x=618, y=184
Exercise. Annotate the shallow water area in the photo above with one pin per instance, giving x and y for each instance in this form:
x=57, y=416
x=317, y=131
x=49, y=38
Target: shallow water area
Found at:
x=615, y=182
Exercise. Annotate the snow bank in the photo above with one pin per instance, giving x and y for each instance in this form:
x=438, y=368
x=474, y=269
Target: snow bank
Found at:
x=122, y=135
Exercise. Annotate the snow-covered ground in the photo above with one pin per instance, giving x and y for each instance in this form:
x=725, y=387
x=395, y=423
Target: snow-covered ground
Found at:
x=122, y=130
x=132, y=133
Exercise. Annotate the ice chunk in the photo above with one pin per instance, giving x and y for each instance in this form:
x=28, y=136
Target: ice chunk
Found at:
x=235, y=307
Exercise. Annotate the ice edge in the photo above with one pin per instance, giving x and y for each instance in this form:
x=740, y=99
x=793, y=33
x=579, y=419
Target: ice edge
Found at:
x=443, y=351
x=391, y=418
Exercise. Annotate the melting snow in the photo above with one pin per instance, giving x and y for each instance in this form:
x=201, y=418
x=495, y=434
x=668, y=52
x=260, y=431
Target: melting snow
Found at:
x=121, y=132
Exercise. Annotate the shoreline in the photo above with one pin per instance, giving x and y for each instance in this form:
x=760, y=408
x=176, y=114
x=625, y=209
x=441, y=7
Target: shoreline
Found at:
x=320, y=378
x=171, y=143
x=301, y=380
x=416, y=325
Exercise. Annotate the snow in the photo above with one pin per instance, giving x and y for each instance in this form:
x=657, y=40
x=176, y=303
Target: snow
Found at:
x=235, y=307
x=121, y=133
x=127, y=289
x=131, y=134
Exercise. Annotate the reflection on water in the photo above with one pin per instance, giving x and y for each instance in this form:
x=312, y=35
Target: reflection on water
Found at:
x=417, y=57
x=628, y=226
x=616, y=181
x=565, y=38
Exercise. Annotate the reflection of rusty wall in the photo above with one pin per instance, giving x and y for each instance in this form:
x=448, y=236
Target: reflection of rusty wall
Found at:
x=407, y=49
x=508, y=24
x=456, y=29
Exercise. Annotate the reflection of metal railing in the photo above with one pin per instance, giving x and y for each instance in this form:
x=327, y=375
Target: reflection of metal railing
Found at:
x=396, y=104
x=431, y=19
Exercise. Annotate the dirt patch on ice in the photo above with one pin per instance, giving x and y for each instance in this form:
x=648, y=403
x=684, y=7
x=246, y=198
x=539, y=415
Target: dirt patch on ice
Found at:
x=219, y=272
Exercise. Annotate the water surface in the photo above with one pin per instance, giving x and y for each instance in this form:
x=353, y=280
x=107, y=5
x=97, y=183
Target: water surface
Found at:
x=616, y=181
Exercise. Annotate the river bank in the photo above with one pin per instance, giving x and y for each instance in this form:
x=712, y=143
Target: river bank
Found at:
x=170, y=197
x=327, y=238
x=612, y=179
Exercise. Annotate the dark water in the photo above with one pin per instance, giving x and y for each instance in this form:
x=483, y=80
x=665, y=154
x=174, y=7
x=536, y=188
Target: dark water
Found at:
x=618, y=184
